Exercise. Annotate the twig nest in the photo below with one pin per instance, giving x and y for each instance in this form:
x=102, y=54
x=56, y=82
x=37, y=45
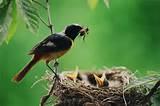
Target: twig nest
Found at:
x=76, y=94
x=70, y=93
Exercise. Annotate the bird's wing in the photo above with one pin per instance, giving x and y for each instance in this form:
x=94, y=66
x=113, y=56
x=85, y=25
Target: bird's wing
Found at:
x=53, y=43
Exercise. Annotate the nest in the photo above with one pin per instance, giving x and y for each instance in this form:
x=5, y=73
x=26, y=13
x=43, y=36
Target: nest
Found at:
x=69, y=93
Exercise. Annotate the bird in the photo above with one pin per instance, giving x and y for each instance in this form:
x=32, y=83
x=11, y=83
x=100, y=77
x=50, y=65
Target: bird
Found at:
x=88, y=78
x=52, y=47
x=71, y=75
x=101, y=81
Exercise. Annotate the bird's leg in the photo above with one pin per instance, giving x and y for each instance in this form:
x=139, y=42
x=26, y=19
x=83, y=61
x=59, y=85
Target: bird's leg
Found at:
x=56, y=66
x=55, y=73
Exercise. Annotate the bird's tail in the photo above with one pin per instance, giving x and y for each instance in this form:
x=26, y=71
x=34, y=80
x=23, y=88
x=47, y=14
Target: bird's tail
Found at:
x=21, y=74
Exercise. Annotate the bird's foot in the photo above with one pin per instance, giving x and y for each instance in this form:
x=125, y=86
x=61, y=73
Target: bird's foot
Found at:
x=54, y=71
x=56, y=64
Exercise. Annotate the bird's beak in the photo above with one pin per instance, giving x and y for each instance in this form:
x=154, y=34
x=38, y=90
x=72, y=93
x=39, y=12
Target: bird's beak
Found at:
x=100, y=81
x=83, y=32
x=72, y=75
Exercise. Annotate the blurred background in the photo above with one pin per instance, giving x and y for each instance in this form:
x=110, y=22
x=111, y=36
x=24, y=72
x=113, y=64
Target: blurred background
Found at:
x=126, y=34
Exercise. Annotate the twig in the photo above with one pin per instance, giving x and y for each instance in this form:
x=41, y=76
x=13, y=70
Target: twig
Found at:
x=46, y=97
x=153, y=90
x=82, y=91
x=37, y=82
x=47, y=7
x=125, y=102
x=49, y=17
x=42, y=21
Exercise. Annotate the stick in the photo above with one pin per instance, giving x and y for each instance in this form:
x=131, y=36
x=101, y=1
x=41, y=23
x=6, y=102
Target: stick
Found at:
x=46, y=97
x=153, y=90
x=49, y=17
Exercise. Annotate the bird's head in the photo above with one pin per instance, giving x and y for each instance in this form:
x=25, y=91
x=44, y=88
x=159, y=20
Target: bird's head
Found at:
x=73, y=30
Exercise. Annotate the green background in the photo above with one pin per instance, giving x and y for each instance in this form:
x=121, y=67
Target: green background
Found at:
x=127, y=34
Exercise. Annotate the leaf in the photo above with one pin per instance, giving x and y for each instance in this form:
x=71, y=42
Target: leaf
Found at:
x=8, y=21
x=92, y=4
x=13, y=25
x=29, y=14
x=3, y=3
x=106, y=2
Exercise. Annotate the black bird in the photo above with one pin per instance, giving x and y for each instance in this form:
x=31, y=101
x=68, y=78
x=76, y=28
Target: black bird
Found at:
x=52, y=47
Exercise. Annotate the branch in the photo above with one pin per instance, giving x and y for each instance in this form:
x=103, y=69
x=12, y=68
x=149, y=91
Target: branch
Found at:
x=42, y=21
x=47, y=7
x=46, y=97
x=49, y=17
x=153, y=90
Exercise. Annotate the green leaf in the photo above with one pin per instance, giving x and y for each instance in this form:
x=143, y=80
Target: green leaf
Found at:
x=106, y=2
x=8, y=21
x=29, y=14
x=3, y=3
x=92, y=3
x=13, y=25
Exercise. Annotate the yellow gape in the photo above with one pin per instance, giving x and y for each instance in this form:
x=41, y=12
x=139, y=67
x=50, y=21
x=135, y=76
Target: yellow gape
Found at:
x=101, y=82
x=72, y=75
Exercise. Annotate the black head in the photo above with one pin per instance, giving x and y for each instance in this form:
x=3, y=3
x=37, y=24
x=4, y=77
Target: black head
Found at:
x=74, y=30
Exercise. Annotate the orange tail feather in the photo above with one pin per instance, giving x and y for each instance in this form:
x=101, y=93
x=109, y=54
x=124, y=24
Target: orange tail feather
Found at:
x=21, y=74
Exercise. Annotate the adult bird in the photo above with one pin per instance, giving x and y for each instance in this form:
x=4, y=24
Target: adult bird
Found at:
x=52, y=47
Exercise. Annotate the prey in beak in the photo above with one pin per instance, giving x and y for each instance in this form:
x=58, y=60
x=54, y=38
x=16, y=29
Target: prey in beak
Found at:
x=83, y=32
x=101, y=82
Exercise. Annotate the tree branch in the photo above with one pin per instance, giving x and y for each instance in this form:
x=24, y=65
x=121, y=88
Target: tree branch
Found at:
x=46, y=97
x=153, y=90
x=49, y=17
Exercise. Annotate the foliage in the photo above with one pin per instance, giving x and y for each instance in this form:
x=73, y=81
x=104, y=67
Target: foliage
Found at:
x=9, y=15
x=8, y=21
x=28, y=11
x=29, y=14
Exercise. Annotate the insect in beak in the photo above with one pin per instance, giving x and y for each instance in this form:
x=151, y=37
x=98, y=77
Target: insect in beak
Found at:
x=83, y=32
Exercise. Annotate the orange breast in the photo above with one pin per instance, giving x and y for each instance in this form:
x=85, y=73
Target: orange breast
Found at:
x=51, y=56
